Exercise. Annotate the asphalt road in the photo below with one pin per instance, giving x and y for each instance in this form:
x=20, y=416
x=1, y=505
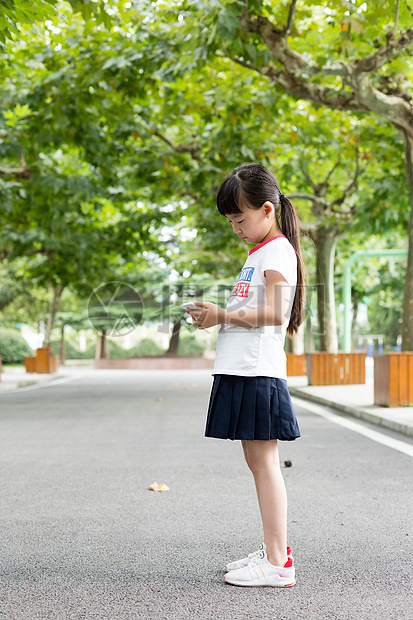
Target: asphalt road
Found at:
x=82, y=537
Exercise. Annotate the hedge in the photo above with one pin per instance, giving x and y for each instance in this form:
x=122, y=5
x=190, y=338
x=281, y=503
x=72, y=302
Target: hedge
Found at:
x=13, y=347
x=189, y=346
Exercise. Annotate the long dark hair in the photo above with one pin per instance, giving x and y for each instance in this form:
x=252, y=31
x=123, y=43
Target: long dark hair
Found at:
x=249, y=186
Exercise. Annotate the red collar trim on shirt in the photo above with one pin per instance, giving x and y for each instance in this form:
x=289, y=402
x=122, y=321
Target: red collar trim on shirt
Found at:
x=257, y=247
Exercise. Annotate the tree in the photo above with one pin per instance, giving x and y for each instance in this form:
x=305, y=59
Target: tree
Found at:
x=62, y=198
x=353, y=179
x=150, y=120
x=11, y=283
x=330, y=55
x=15, y=13
x=242, y=126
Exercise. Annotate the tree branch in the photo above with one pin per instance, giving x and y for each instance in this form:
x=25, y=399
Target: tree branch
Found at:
x=314, y=186
x=373, y=62
x=46, y=251
x=244, y=63
x=19, y=173
x=23, y=172
x=353, y=183
x=308, y=178
x=396, y=18
x=320, y=189
x=290, y=20
x=296, y=62
x=306, y=196
x=333, y=169
x=302, y=89
x=394, y=108
x=297, y=68
x=192, y=149
x=293, y=61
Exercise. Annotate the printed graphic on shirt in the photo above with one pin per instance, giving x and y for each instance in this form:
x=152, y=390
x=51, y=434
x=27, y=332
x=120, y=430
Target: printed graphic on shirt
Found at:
x=243, y=283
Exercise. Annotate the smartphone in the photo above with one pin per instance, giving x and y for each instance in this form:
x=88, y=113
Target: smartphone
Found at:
x=189, y=305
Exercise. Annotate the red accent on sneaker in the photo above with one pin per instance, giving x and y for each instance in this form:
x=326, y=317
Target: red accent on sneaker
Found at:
x=288, y=563
x=288, y=550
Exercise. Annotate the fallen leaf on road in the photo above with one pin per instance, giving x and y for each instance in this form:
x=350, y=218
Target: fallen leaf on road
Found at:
x=159, y=487
x=194, y=385
x=288, y=463
x=159, y=398
x=185, y=388
x=176, y=384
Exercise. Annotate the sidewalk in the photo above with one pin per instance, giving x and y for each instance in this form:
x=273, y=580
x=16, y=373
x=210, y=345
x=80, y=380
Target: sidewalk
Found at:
x=14, y=378
x=356, y=400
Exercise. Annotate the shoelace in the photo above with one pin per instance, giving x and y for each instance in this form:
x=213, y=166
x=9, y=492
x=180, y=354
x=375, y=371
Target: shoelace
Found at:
x=256, y=554
x=256, y=568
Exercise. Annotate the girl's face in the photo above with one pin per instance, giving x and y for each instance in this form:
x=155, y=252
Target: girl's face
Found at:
x=255, y=225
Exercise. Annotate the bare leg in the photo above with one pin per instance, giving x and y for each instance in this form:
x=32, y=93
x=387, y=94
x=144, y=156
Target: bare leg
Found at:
x=263, y=460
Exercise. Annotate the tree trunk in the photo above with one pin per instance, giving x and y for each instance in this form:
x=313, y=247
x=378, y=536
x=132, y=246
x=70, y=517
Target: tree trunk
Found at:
x=174, y=341
x=62, y=346
x=407, y=326
x=104, y=351
x=325, y=240
x=176, y=329
x=57, y=294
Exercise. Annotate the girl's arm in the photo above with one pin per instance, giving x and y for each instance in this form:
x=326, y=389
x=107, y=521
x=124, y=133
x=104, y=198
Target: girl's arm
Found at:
x=273, y=313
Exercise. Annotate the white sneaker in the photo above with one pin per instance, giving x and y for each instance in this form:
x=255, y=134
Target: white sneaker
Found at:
x=245, y=561
x=260, y=572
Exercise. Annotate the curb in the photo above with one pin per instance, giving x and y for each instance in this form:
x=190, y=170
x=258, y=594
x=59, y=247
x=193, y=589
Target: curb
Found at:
x=11, y=386
x=361, y=414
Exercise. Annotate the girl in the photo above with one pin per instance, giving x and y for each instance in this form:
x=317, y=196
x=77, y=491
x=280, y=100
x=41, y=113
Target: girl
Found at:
x=250, y=400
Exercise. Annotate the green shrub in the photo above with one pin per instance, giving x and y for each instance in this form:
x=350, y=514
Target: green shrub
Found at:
x=147, y=346
x=116, y=351
x=72, y=352
x=13, y=347
x=90, y=352
x=189, y=346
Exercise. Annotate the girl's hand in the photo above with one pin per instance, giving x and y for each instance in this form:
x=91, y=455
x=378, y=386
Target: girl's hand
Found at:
x=208, y=315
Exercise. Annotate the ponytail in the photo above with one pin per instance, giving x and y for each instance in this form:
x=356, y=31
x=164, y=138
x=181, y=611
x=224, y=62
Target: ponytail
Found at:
x=290, y=226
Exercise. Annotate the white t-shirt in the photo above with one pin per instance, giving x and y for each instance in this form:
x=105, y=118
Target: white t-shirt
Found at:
x=258, y=351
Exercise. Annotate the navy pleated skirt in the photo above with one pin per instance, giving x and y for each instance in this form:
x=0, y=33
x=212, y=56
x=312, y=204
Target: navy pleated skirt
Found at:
x=251, y=408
